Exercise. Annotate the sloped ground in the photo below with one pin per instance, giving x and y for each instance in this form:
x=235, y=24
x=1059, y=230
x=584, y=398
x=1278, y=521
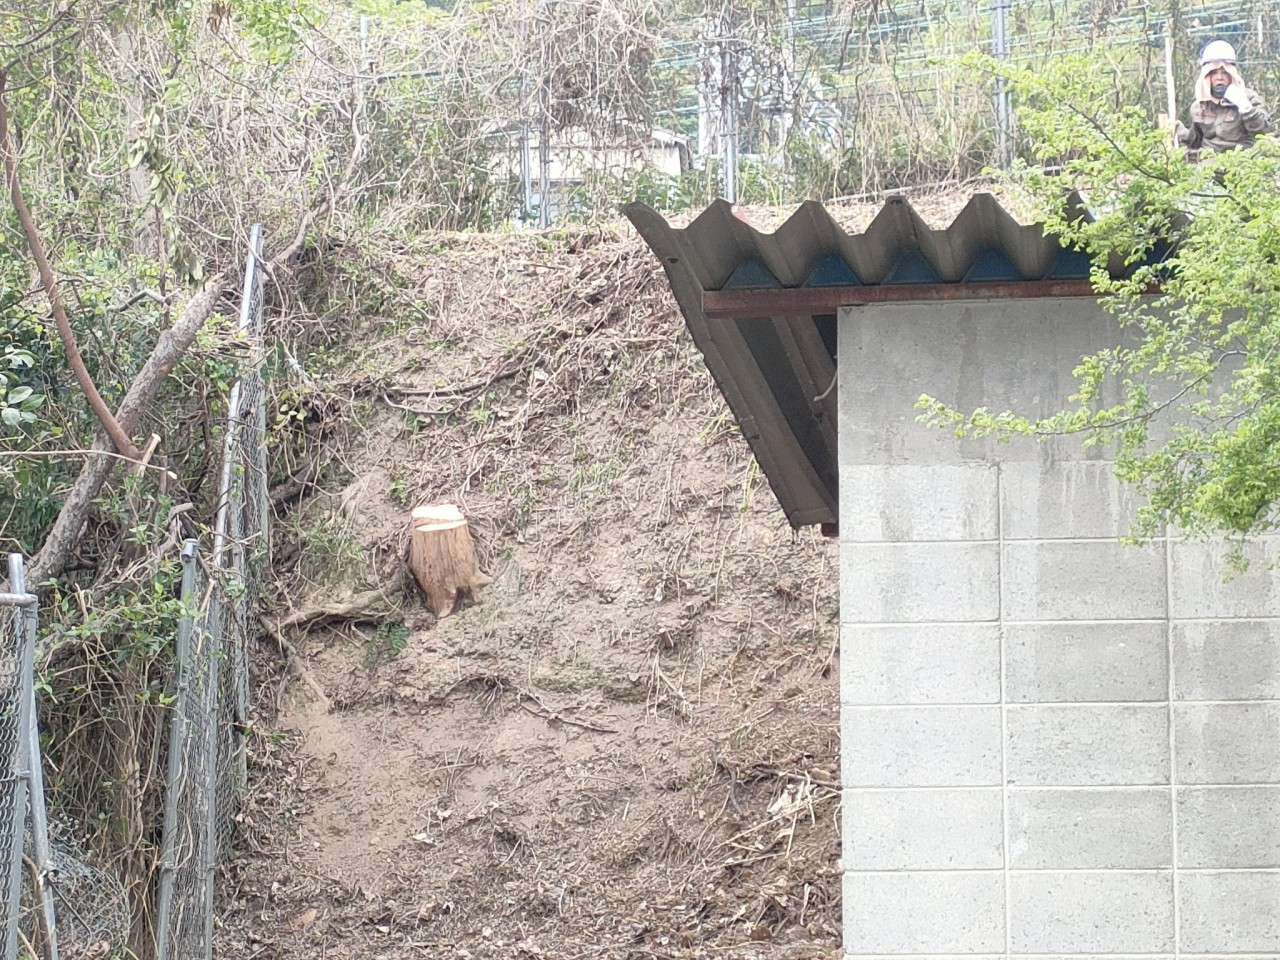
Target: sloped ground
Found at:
x=628, y=746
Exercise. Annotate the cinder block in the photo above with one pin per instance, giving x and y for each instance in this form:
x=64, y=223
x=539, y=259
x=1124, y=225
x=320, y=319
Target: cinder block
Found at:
x=1080, y=662
x=1090, y=829
x=1227, y=742
x=920, y=746
x=1096, y=580
x=1204, y=585
x=923, y=830
x=1229, y=913
x=918, y=582
x=1227, y=660
x=900, y=502
x=1087, y=745
x=1086, y=912
x=920, y=663
x=1064, y=500
x=1017, y=354
x=923, y=913
x=1229, y=827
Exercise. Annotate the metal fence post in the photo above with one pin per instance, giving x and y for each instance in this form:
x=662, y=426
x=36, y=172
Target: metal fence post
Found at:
x=178, y=769
x=728, y=109
x=41, y=856
x=1004, y=112
x=13, y=764
x=215, y=626
x=229, y=553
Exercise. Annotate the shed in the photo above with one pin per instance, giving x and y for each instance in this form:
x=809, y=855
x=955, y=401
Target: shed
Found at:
x=1052, y=743
x=775, y=361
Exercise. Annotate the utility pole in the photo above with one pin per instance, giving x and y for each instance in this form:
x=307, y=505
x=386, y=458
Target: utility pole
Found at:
x=728, y=111
x=1004, y=113
x=544, y=154
x=526, y=128
x=788, y=82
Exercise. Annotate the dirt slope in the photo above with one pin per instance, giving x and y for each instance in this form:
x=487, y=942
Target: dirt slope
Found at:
x=628, y=746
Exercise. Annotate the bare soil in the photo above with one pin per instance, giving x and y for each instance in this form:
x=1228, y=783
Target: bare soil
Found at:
x=627, y=746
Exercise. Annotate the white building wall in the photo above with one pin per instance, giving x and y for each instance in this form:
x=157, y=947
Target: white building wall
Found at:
x=1053, y=744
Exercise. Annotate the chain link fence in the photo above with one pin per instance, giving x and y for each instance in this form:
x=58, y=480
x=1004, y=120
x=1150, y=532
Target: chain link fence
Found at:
x=240, y=537
x=13, y=765
x=49, y=894
x=184, y=913
x=28, y=877
x=207, y=765
x=91, y=905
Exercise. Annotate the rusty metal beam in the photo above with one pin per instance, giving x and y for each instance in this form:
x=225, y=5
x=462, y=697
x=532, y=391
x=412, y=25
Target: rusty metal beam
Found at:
x=815, y=301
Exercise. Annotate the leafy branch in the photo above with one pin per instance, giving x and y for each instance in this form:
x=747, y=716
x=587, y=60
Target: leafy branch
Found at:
x=49, y=281
x=1189, y=403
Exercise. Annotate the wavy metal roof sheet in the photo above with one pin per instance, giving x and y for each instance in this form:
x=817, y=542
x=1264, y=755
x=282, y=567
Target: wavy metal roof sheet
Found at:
x=762, y=309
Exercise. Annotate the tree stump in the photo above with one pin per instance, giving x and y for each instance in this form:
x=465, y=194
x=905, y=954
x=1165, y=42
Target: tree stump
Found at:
x=442, y=557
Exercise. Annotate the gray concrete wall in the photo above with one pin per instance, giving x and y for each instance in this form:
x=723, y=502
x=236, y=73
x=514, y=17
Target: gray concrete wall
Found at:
x=1053, y=744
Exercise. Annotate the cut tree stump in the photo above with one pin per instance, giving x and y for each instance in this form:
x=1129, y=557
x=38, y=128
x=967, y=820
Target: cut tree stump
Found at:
x=442, y=557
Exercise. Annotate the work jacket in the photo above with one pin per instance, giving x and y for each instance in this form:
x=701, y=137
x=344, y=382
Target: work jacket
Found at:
x=1219, y=126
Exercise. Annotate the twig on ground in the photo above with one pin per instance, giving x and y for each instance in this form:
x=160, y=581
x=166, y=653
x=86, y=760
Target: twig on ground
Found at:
x=553, y=716
x=370, y=605
x=294, y=663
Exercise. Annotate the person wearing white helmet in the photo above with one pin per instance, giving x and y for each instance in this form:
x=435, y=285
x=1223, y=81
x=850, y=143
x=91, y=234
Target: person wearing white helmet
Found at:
x=1226, y=114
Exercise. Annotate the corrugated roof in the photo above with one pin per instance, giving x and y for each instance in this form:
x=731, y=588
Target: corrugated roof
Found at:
x=762, y=309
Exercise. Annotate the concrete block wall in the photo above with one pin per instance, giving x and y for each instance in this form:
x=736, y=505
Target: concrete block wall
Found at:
x=1052, y=744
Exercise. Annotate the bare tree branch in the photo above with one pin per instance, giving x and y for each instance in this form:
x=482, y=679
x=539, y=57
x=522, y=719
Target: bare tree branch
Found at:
x=100, y=409
x=173, y=343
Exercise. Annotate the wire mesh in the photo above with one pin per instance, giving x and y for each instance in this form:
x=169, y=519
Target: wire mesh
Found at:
x=240, y=538
x=92, y=906
x=207, y=767
x=28, y=870
x=13, y=780
x=806, y=99
x=186, y=850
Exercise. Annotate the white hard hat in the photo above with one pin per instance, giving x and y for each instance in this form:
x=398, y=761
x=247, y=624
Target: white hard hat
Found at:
x=1217, y=51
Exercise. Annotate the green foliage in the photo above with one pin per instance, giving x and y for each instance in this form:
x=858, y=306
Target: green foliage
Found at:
x=1190, y=401
x=274, y=28
x=18, y=402
x=391, y=638
x=332, y=554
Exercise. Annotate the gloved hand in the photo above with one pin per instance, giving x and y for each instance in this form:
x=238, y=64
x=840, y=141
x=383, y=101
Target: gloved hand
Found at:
x=1238, y=96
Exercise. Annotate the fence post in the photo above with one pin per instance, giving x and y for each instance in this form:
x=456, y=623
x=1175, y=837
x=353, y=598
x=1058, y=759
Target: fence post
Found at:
x=29, y=614
x=13, y=775
x=1004, y=114
x=1170, y=87
x=177, y=769
x=228, y=531
x=215, y=629
x=728, y=111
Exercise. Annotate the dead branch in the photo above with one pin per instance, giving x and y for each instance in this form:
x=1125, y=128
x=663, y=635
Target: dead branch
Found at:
x=554, y=716
x=369, y=605
x=296, y=486
x=99, y=406
x=344, y=187
x=138, y=465
x=169, y=348
x=37, y=886
x=293, y=661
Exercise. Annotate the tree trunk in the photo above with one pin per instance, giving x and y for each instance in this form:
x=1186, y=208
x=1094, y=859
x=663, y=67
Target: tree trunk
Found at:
x=442, y=557
x=169, y=348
